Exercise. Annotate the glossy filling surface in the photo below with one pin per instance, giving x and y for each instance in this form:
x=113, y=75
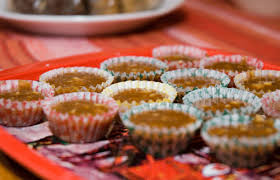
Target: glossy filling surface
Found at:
x=179, y=58
x=162, y=118
x=193, y=82
x=219, y=104
x=74, y=82
x=139, y=95
x=229, y=66
x=258, y=127
x=24, y=92
x=259, y=83
x=81, y=107
x=134, y=67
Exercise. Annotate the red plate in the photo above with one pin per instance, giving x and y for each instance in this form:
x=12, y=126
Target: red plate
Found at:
x=28, y=157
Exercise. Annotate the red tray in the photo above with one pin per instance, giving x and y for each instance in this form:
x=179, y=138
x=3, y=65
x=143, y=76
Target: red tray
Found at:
x=26, y=156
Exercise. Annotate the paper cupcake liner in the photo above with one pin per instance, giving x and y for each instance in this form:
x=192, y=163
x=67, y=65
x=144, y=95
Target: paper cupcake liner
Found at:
x=22, y=113
x=55, y=72
x=146, y=85
x=239, y=79
x=161, y=142
x=193, y=72
x=258, y=64
x=254, y=103
x=189, y=51
x=243, y=152
x=151, y=76
x=270, y=101
x=80, y=129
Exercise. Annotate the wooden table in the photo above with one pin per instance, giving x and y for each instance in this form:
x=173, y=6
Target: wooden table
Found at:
x=205, y=23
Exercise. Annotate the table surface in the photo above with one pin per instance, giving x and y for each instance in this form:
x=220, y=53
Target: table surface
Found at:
x=205, y=23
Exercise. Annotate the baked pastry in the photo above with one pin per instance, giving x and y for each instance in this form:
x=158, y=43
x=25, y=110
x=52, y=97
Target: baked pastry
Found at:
x=80, y=117
x=179, y=57
x=20, y=102
x=76, y=79
x=159, y=129
x=134, y=68
x=132, y=93
x=187, y=80
x=214, y=101
x=242, y=141
x=258, y=82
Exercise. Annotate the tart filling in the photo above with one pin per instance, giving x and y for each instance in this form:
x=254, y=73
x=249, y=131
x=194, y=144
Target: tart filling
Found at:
x=135, y=67
x=193, y=82
x=162, y=118
x=231, y=66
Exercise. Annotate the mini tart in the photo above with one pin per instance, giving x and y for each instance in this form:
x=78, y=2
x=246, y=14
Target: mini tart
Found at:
x=231, y=65
x=24, y=107
x=179, y=56
x=76, y=79
x=243, y=151
x=186, y=80
x=134, y=68
x=258, y=82
x=80, y=127
x=164, y=91
x=162, y=140
x=271, y=104
x=234, y=101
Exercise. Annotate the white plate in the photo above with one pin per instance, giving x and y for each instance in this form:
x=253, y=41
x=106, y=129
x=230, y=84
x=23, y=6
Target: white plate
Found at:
x=85, y=24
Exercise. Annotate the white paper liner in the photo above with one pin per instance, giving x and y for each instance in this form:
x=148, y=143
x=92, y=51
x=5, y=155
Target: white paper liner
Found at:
x=151, y=75
x=165, y=89
x=240, y=152
x=271, y=104
x=82, y=128
x=98, y=72
x=161, y=142
x=22, y=113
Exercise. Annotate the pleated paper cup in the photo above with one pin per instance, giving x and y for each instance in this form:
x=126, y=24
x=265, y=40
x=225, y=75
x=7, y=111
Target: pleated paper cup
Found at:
x=162, y=142
x=271, y=104
x=22, y=113
x=221, y=79
x=162, y=52
x=123, y=76
x=242, y=152
x=254, y=103
x=240, y=78
x=165, y=89
x=82, y=128
x=60, y=71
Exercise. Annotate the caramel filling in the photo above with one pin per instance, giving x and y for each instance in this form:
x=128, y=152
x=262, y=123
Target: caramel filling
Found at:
x=219, y=104
x=23, y=93
x=179, y=58
x=81, y=107
x=139, y=95
x=135, y=67
x=229, y=66
x=74, y=82
x=193, y=82
x=162, y=118
x=258, y=127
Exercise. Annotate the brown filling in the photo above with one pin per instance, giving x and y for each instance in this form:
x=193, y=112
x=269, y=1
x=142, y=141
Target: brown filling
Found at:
x=74, y=82
x=228, y=66
x=220, y=104
x=81, y=107
x=258, y=127
x=266, y=84
x=162, y=118
x=23, y=93
x=179, y=58
x=133, y=67
x=139, y=95
x=195, y=82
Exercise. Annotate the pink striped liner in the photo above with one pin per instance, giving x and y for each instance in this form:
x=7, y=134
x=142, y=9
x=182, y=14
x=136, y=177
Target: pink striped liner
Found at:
x=80, y=129
x=22, y=113
x=270, y=101
x=189, y=51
